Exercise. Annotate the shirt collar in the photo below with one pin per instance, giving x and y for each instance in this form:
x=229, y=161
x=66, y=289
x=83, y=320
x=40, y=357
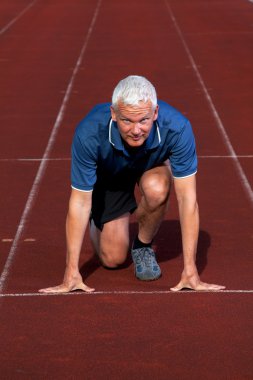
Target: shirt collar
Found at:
x=152, y=142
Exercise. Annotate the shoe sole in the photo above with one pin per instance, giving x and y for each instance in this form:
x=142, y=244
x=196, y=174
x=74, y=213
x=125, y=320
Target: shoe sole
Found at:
x=148, y=279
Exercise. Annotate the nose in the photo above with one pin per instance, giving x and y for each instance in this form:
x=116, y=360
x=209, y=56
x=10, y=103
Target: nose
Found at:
x=136, y=128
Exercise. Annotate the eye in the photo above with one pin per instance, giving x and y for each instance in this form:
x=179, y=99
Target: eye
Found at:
x=126, y=121
x=143, y=121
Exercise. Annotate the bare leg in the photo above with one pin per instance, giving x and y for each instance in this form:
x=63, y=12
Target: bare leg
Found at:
x=112, y=244
x=155, y=187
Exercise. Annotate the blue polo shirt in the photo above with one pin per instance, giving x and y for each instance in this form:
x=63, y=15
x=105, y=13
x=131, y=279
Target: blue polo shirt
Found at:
x=99, y=155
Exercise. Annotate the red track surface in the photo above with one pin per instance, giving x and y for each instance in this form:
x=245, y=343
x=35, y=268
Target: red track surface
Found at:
x=131, y=335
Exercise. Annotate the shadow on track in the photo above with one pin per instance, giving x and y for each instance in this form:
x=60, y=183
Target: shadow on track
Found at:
x=167, y=245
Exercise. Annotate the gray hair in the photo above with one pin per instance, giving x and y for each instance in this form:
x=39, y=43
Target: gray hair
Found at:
x=132, y=90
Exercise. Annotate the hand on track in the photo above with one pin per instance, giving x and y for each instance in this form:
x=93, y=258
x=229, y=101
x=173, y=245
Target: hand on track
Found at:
x=70, y=283
x=193, y=282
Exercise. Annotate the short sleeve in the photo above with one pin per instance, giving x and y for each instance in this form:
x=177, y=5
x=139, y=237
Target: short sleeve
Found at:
x=83, y=165
x=183, y=157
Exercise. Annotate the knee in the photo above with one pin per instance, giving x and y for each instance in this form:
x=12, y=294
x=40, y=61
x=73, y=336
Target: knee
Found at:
x=112, y=260
x=157, y=191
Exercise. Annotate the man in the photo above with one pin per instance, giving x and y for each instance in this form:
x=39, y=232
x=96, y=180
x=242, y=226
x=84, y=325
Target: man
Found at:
x=136, y=140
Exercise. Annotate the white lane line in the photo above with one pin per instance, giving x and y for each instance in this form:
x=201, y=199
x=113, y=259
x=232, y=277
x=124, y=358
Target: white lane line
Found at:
x=244, y=180
x=6, y=27
x=43, y=165
x=34, y=159
x=122, y=292
x=9, y=240
x=237, y=156
x=221, y=33
x=68, y=158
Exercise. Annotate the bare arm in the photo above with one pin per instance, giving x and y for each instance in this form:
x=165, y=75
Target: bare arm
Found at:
x=76, y=223
x=189, y=219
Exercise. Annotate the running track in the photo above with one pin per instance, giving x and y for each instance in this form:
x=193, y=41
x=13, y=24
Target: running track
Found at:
x=58, y=59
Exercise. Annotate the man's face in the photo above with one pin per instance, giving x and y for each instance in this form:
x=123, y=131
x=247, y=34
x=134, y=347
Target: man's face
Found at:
x=134, y=122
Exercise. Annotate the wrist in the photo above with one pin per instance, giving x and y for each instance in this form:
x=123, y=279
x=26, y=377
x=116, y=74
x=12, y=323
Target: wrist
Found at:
x=72, y=268
x=190, y=270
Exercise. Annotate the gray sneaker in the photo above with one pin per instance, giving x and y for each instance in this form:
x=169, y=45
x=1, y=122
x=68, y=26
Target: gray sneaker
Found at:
x=145, y=264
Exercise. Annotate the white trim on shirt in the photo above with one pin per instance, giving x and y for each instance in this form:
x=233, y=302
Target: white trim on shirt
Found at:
x=190, y=175
x=84, y=191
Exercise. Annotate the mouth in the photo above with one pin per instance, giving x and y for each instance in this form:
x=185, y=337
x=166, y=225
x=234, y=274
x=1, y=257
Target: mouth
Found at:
x=136, y=138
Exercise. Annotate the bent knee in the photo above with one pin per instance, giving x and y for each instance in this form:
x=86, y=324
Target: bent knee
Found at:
x=112, y=261
x=156, y=183
x=157, y=190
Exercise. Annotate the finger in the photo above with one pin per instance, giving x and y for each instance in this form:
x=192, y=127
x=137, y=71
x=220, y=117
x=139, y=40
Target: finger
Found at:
x=179, y=287
x=210, y=287
x=64, y=289
x=200, y=287
x=84, y=287
x=55, y=289
x=175, y=289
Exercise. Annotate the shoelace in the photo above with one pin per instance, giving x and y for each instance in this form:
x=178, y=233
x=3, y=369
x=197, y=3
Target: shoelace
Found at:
x=148, y=257
x=138, y=258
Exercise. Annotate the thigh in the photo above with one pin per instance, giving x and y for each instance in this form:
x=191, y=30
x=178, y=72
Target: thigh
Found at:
x=112, y=243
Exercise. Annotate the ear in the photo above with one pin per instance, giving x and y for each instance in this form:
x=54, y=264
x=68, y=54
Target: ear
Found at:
x=113, y=113
x=156, y=112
